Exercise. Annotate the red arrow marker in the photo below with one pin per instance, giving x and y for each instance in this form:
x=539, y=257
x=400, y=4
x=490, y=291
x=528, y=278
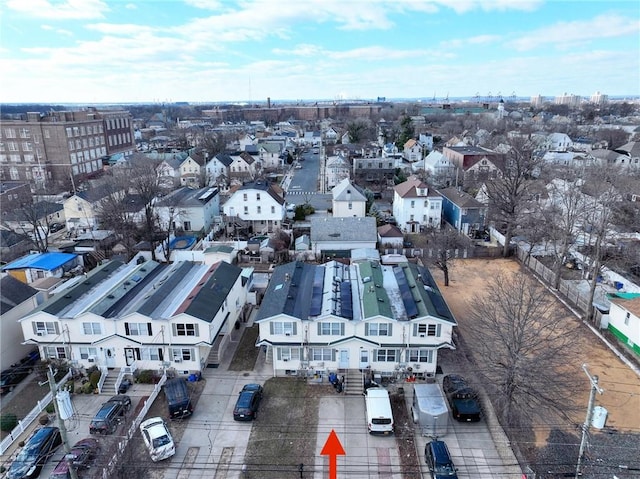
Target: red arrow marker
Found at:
x=333, y=448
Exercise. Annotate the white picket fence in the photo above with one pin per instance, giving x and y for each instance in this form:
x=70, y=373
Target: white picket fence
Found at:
x=24, y=423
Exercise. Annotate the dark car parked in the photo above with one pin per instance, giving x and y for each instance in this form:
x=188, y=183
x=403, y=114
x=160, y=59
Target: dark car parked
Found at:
x=81, y=455
x=462, y=398
x=438, y=459
x=11, y=377
x=35, y=453
x=110, y=415
x=246, y=408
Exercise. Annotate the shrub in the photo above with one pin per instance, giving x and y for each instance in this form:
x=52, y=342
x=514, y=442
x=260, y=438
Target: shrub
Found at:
x=70, y=386
x=146, y=376
x=2, y=469
x=50, y=408
x=88, y=388
x=94, y=379
x=8, y=422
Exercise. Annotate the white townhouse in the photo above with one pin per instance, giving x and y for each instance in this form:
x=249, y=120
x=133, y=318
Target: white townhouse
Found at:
x=316, y=319
x=260, y=203
x=416, y=205
x=128, y=316
x=190, y=210
x=243, y=167
x=347, y=200
x=217, y=167
x=81, y=209
x=440, y=167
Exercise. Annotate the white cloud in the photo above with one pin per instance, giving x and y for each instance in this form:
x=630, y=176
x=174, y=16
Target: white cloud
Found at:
x=59, y=31
x=204, y=4
x=131, y=6
x=564, y=34
x=65, y=10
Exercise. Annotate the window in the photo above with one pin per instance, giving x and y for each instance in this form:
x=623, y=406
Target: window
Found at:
x=25, y=133
x=259, y=209
x=413, y=204
x=185, y=329
x=12, y=145
x=258, y=196
x=246, y=210
x=85, y=353
x=288, y=354
x=331, y=329
x=45, y=327
x=287, y=328
x=137, y=329
x=47, y=134
x=9, y=133
x=350, y=205
x=387, y=355
x=244, y=197
x=626, y=319
x=378, y=329
x=426, y=203
x=322, y=354
x=91, y=328
x=152, y=354
x=56, y=352
x=273, y=209
x=185, y=354
x=187, y=226
x=420, y=356
x=423, y=330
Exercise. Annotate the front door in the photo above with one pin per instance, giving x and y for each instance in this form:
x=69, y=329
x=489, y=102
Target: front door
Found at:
x=129, y=356
x=343, y=362
x=364, y=359
x=110, y=357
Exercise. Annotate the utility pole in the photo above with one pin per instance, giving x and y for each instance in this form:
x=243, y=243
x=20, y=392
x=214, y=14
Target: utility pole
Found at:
x=61, y=426
x=587, y=422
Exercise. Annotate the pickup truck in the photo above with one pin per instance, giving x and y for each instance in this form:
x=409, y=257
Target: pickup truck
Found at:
x=462, y=399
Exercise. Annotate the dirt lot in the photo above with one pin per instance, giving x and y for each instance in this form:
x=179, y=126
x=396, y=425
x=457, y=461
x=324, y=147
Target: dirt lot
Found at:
x=621, y=386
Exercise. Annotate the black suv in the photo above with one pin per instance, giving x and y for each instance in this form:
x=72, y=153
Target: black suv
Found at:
x=110, y=415
x=246, y=408
x=437, y=457
x=462, y=398
x=11, y=377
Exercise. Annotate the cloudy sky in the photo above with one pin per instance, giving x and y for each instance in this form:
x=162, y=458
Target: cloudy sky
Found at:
x=103, y=51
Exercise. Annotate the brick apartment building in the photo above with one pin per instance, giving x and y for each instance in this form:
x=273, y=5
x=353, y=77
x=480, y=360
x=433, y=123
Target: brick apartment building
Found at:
x=47, y=149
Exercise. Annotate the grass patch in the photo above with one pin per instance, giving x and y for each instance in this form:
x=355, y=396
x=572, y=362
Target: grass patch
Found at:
x=246, y=353
x=284, y=434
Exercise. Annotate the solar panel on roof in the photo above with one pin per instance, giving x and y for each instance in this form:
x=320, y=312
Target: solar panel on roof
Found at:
x=316, y=292
x=441, y=307
x=346, y=306
x=405, y=292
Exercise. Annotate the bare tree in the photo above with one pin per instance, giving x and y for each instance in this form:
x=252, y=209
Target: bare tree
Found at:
x=440, y=248
x=523, y=347
x=566, y=211
x=509, y=193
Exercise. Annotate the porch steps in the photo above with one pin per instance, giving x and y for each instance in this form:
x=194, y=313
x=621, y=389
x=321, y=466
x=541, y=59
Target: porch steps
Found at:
x=109, y=386
x=353, y=382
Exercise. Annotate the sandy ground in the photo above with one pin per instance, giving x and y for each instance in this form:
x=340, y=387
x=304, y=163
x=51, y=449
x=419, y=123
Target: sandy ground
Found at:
x=621, y=385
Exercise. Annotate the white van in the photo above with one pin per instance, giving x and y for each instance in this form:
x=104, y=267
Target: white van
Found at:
x=379, y=414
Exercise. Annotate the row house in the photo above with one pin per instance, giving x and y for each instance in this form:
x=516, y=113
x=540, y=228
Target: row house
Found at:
x=217, y=169
x=141, y=315
x=412, y=150
x=81, y=210
x=416, y=206
x=316, y=319
x=380, y=169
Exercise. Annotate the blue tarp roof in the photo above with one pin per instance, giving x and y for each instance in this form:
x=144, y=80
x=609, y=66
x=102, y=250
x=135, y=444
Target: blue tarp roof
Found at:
x=47, y=261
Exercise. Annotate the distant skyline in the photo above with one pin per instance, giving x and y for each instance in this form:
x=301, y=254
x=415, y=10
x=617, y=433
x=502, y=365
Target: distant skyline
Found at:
x=95, y=51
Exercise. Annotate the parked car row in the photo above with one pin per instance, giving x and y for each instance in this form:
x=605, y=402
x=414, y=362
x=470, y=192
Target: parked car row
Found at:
x=14, y=375
x=110, y=415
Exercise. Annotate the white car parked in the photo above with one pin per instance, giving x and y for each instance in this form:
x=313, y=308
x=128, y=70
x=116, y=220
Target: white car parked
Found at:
x=158, y=439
